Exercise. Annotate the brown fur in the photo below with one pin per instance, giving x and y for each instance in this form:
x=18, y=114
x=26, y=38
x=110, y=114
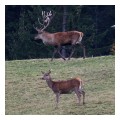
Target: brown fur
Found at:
x=71, y=37
x=62, y=86
x=60, y=38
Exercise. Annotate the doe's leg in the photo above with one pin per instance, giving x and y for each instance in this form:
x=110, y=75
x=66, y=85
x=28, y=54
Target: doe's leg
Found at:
x=57, y=99
x=78, y=94
x=83, y=93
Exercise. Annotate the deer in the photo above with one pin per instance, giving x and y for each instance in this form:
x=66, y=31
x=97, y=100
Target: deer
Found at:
x=65, y=86
x=58, y=39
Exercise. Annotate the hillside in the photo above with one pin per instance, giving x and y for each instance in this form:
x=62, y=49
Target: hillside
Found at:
x=26, y=93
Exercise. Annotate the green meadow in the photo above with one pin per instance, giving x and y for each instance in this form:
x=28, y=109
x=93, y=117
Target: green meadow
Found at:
x=27, y=94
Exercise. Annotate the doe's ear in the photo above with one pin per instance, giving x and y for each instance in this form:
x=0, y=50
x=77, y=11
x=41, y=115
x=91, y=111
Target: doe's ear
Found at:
x=49, y=71
x=42, y=72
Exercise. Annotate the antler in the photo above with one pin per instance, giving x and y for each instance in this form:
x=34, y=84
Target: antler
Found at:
x=47, y=17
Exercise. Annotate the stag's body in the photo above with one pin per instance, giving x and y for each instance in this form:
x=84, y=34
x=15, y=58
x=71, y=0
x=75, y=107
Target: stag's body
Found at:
x=59, y=39
x=65, y=87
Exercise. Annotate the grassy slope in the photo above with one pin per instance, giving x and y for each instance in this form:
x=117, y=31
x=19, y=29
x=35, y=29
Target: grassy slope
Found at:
x=26, y=93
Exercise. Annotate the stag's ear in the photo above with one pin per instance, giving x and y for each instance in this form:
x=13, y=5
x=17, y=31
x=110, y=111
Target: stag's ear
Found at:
x=42, y=72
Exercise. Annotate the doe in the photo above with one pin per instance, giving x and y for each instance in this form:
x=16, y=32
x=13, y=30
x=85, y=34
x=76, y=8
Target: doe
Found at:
x=65, y=87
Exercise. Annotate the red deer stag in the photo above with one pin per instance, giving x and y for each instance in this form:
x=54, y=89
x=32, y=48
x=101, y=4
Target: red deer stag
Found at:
x=65, y=87
x=58, y=39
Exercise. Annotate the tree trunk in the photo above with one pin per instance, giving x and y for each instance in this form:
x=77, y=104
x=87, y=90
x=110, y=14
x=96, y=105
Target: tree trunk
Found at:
x=64, y=27
x=96, y=25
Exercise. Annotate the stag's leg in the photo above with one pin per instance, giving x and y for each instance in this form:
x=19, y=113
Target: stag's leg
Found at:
x=78, y=94
x=60, y=53
x=84, y=52
x=73, y=50
x=57, y=99
x=55, y=51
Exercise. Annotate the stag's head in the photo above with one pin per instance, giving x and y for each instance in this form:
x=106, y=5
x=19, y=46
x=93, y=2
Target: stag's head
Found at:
x=46, y=19
x=46, y=76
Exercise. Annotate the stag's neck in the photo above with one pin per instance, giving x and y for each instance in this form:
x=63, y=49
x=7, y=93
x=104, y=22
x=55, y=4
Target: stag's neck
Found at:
x=50, y=83
x=44, y=33
x=48, y=38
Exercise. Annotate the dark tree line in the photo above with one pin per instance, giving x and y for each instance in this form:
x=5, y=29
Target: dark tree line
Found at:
x=94, y=21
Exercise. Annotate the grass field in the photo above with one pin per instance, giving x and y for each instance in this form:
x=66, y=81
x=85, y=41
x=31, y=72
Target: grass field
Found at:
x=26, y=93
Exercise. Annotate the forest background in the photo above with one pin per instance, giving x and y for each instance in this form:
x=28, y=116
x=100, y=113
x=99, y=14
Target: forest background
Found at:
x=95, y=21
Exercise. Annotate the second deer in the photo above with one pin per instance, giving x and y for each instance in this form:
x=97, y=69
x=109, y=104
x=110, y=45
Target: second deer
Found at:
x=65, y=87
x=58, y=39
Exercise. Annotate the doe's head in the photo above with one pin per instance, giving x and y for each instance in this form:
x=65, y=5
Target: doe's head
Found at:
x=46, y=76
